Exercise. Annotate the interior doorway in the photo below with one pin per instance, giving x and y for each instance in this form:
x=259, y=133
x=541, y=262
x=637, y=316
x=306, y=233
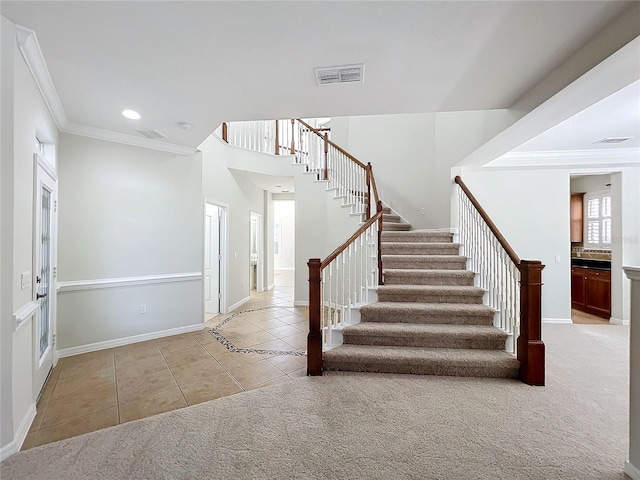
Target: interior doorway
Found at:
x=256, y=254
x=284, y=241
x=214, y=227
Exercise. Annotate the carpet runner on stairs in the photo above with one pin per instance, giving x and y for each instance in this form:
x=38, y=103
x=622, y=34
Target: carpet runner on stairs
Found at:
x=429, y=318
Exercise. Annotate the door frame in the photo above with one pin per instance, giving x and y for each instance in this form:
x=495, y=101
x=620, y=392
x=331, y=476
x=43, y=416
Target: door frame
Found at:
x=42, y=168
x=224, y=241
x=260, y=246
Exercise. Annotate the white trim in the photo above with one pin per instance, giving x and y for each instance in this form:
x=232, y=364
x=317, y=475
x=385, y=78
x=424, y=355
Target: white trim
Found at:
x=32, y=55
x=631, y=471
x=270, y=287
x=127, y=281
x=238, y=304
x=556, y=320
x=286, y=269
x=632, y=272
x=16, y=444
x=598, y=154
x=117, y=342
x=42, y=163
x=24, y=313
x=117, y=137
x=618, y=321
x=301, y=303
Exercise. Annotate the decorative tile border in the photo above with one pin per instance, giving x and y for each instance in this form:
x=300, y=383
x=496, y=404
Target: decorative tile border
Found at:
x=232, y=348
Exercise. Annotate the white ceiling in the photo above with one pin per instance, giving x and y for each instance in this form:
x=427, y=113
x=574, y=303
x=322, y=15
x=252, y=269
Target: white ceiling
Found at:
x=616, y=116
x=205, y=62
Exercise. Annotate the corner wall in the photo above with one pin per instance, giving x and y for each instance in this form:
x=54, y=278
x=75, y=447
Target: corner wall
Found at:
x=133, y=216
x=412, y=155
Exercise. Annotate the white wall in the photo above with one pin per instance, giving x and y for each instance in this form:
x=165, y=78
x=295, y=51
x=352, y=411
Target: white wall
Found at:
x=220, y=185
x=412, y=155
x=634, y=371
x=127, y=212
x=531, y=208
x=24, y=116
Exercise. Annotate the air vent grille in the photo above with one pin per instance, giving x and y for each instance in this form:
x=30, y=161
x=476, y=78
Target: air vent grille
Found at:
x=614, y=140
x=151, y=134
x=340, y=74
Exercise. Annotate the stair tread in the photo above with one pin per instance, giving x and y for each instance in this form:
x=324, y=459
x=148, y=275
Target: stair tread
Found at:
x=417, y=272
x=433, y=308
x=420, y=244
x=439, y=258
x=445, y=289
x=397, y=355
x=416, y=329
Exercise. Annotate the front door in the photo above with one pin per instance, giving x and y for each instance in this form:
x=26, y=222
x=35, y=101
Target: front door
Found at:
x=212, y=259
x=46, y=199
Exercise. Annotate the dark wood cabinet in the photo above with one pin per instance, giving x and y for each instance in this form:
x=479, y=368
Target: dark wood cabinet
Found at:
x=576, y=214
x=591, y=291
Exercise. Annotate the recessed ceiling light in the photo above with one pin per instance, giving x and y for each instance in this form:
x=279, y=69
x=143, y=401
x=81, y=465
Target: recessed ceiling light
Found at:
x=184, y=125
x=131, y=114
x=278, y=186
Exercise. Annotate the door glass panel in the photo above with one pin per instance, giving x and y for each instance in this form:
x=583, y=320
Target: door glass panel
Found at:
x=45, y=266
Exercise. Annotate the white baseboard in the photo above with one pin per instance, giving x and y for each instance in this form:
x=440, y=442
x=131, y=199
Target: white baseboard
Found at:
x=270, y=287
x=238, y=304
x=618, y=321
x=301, y=303
x=118, y=342
x=556, y=320
x=18, y=439
x=631, y=471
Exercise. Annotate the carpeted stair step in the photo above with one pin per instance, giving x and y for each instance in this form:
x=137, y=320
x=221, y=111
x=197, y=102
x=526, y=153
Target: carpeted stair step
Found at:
x=422, y=361
x=395, y=226
x=425, y=262
x=430, y=294
x=390, y=217
x=483, y=337
x=400, y=276
x=427, y=313
x=415, y=236
x=420, y=248
x=386, y=210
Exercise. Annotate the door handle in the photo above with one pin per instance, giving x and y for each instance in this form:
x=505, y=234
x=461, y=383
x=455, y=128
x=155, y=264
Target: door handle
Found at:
x=39, y=296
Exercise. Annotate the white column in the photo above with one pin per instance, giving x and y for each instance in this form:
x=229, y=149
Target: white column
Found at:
x=632, y=466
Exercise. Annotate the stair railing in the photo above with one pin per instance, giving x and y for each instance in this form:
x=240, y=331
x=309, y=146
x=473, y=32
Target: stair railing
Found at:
x=513, y=286
x=338, y=285
x=350, y=178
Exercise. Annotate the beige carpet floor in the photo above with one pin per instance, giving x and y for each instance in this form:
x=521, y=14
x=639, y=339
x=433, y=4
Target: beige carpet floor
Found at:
x=380, y=427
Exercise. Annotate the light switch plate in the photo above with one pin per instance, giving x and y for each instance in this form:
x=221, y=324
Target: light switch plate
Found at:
x=25, y=280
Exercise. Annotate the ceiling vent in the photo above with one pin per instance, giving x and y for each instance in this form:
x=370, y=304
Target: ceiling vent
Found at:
x=613, y=140
x=151, y=134
x=340, y=74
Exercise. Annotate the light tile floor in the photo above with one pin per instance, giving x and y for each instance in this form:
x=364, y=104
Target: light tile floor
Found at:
x=100, y=389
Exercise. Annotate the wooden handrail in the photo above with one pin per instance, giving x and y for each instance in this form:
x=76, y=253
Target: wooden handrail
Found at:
x=334, y=145
x=373, y=186
x=332, y=256
x=492, y=226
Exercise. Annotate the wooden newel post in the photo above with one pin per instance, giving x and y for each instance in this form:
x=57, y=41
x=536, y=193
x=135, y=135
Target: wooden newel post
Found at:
x=326, y=156
x=530, y=345
x=314, y=339
x=293, y=142
x=380, y=276
x=277, y=145
x=225, y=132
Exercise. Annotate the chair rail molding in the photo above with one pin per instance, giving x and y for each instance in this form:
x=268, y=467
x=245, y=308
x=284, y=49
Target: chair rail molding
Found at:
x=101, y=283
x=24, y=313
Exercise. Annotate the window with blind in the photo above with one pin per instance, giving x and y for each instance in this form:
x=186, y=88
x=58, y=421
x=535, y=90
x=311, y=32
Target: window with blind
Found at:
x=598, y=221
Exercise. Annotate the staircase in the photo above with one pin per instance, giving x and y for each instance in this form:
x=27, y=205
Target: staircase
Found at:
x=429, y=318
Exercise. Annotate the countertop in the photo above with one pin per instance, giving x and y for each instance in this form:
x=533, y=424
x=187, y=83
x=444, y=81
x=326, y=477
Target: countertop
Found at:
x=591, y=263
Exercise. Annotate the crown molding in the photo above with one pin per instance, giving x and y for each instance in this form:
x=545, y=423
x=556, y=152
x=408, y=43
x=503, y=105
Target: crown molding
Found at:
x=32, y=54
x=111, y=136
x=30, y=50
x=592, y=157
